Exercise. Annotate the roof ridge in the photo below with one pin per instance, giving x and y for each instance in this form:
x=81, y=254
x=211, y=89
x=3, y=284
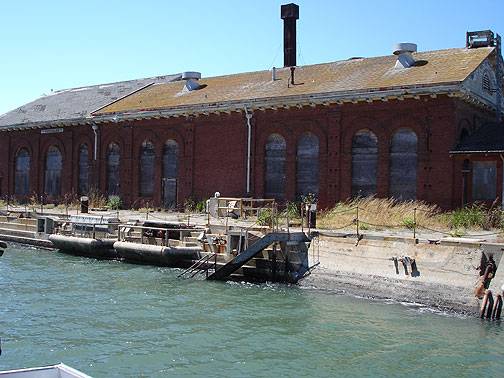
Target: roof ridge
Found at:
x=349, y=60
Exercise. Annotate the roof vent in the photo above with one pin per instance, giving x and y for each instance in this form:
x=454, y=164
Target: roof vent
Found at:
x=191, y=79
x=192, y=85
x=404, y=53
x=480, y=38
x=191, y=75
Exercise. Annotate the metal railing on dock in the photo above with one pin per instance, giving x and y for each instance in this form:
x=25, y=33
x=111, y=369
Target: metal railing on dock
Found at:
x=196, y=268
x=158, y=233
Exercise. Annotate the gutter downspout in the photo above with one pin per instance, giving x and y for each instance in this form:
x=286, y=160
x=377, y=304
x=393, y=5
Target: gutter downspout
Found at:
x=95, y=129
x=502, y=194
x=249, y=137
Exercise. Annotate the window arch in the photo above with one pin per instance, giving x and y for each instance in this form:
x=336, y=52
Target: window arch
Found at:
x=147, y=161
x=403, y=165
x=275, y=151
x=113, y=164
x=170, y=173
x=54, y=165
x=364, y=163
x=307, y=163
x=22, y=174
x=464, y=133
x=83, y=169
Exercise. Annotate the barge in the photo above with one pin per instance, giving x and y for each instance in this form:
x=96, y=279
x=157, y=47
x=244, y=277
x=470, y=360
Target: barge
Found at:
x=219, y=252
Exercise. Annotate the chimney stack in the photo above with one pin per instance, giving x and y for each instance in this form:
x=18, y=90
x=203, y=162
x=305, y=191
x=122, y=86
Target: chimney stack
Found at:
x=289, y=13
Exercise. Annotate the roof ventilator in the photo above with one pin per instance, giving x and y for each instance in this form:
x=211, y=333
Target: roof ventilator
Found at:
x=481, y=38
x=191, y=79
x=404, y=53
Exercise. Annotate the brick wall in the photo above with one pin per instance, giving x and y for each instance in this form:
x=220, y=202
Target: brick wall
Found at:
x=213, y=149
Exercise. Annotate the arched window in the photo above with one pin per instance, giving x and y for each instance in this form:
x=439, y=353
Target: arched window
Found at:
x=364, y=163
x=54, y=165
x=403, y=165
x=275, y=167
x=113, y=164
x=22, y=175
x=170, y=173
x=307, y=159
x=83, y=169
x=147, y=161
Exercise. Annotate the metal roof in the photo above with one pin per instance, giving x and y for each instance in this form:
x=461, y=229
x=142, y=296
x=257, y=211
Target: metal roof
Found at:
x=75, y=103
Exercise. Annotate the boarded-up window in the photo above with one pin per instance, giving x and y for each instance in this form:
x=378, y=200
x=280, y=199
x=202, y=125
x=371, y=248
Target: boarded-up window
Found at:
x=364, y=163
x=22, y=176
x=113, y=164
x=275, y=167
x=54, y=165
x=147, y=161
x=484, y=181
x=403, y=165
x=307, y=173
x=170, y=172
x=83, y=169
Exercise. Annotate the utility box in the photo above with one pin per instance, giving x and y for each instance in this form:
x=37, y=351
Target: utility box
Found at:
x=40, y=225
x=45, y=225
x=311, y=214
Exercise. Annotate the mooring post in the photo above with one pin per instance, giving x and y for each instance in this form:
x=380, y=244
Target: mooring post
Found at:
x=357, y=221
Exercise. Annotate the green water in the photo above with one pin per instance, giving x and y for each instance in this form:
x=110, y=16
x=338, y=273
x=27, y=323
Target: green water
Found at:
x=113, y=319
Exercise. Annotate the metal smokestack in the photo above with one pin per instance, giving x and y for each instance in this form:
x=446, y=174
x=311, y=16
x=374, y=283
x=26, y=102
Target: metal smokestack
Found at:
x=289, y=13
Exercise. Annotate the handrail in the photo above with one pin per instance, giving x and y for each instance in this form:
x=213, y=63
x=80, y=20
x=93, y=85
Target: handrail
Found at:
x=197, y=264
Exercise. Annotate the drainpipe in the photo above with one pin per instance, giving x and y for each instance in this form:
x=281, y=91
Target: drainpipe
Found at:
x=95, y=129
x=502, y=194
x=249, y=137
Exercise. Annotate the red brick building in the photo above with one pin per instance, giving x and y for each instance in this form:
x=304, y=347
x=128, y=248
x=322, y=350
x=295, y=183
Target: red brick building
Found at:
x=388, y=126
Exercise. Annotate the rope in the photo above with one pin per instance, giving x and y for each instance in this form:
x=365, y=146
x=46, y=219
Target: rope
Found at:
x=343, y=211
x=382, y=225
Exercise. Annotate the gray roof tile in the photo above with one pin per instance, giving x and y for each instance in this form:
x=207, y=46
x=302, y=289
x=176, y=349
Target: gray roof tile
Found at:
x=75, y=103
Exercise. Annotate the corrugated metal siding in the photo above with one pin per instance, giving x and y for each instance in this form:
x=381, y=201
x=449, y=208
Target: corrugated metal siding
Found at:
x=22, y=176
x=54, y=164
x=364, y=163
x=484, y=180
x=113, y=164
x=275, y=167
x=403, y=165
x=170, y=173
x=307, y=174
x=147, y=161
x=83, y=169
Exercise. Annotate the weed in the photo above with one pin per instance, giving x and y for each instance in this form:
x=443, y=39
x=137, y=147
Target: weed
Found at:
x=114, y=202
x=409, y=223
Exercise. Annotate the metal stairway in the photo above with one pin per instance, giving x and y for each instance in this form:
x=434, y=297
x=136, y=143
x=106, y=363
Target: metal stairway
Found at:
x=232, y=266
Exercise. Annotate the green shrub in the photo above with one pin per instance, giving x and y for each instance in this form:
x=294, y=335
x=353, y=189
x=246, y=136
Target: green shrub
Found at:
x=291, y=210
x=265, y=218
x=114, y=202
x=468, y=217
x=409, y=223
x=200, y=206
x=363, y=226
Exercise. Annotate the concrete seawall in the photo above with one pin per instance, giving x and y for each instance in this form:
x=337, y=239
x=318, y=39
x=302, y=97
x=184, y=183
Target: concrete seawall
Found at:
x=447, y=271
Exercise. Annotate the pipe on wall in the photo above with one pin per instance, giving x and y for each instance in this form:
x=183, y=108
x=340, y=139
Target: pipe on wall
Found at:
x=248, y=116
x=95, y=130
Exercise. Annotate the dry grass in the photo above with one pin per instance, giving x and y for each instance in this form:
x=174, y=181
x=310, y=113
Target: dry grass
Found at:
x=380, y=214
